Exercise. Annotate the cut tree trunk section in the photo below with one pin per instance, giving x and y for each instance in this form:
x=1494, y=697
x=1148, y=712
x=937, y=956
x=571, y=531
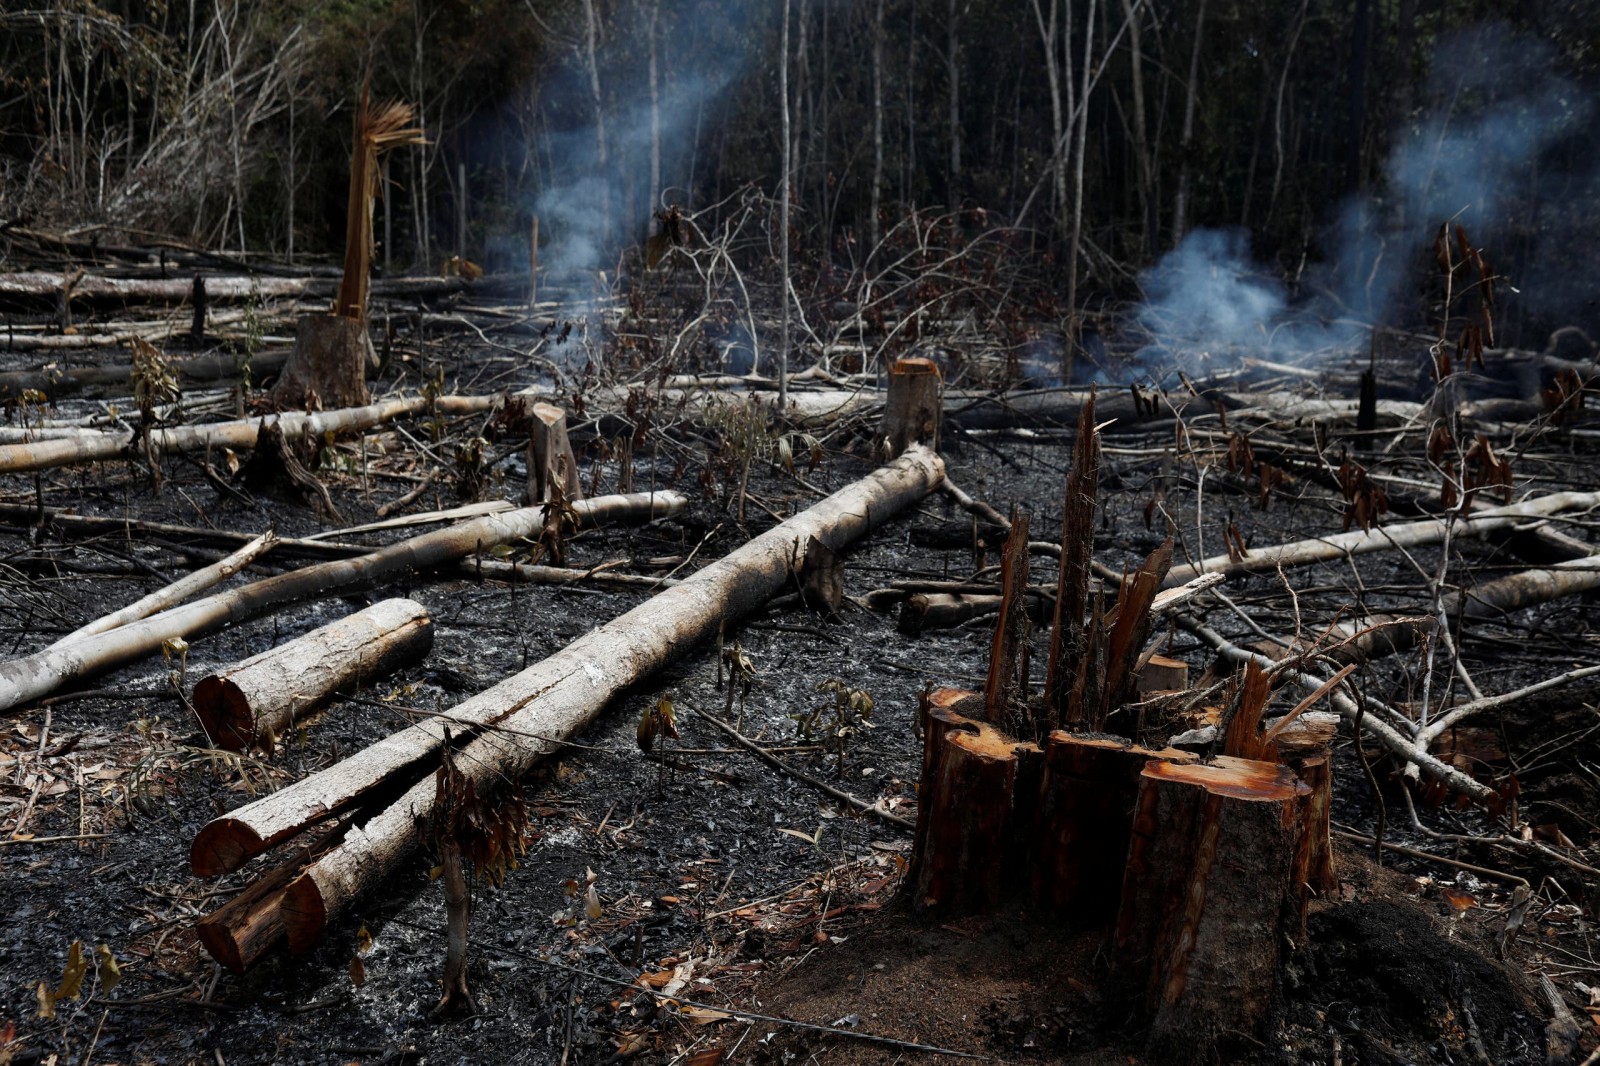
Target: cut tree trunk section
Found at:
x=258, y=700
x=914, y=407
x=328, y=366
x=550, y=460
x=1210, y=893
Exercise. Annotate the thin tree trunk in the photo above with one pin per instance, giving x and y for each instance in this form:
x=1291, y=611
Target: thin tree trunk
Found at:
x=655, y=121
x=873, y=234
x=783, y=214
x=1180, y=204
x=1076, y=232
x=592, y=31
x=1141, y=134
x=953, y=67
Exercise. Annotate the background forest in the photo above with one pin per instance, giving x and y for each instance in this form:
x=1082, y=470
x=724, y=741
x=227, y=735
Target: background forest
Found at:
x=1298, y=155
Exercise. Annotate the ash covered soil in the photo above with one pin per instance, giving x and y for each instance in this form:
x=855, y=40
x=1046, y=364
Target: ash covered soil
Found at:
x=722, y=882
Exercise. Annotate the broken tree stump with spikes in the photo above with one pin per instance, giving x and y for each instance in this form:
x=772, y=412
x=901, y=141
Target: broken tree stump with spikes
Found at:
x=1196, y=870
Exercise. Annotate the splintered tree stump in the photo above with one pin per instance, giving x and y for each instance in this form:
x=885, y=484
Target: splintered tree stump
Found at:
x=821, y=575
x=914, y=407
x=974, y=806
x=1306, y=747
x=1087, y=796
x=550, y=459
x=257, y=700
x=328, y=365
x=1210, y=892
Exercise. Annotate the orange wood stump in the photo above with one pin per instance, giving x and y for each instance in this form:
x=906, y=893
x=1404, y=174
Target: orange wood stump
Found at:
x=1211, y=892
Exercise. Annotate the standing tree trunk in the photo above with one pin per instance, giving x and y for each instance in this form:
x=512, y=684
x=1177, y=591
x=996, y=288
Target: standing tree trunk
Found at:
x=783, y=213
x=655, y=116
x=953, y=67
x=1143, y=159
x=590, y=55
x=1180, y=204
x=1070, y=348
x=876, y=203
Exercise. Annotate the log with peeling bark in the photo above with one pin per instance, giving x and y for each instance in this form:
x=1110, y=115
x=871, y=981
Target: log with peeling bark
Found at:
x=1211, y=892
x=535, y=709
x=543, y=705
x=177, y=592
x=258, y=700
x=1336, y=546
x=33, y=676
x=240, y=434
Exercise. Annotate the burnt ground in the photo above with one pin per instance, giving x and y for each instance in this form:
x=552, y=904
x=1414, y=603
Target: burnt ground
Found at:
x=724, y=883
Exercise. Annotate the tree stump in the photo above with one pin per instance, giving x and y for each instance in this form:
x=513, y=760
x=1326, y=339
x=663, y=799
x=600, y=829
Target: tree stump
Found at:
x=550, y=459
x=1086, y=804
x=915, y=406
x=1162, y=674
x=1211, y=891
x=328, y=366
x=1306, y=747
x=974, y=805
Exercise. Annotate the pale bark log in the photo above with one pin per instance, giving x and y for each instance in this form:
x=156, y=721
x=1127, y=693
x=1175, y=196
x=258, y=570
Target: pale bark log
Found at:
x=201, y=370
x=1336, y=546
x=540, y=706
x=263, y=696
x=177, y=592
x=43, y=285
x=240, y=434
x=41, y=673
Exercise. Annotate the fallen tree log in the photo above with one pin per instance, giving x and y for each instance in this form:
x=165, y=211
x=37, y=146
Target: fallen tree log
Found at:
x=54, y=383
x=256, y=701
x=177, y=592
x=1336, y=546
x=41, y=673
x=538, y=707
x=43, y=288
x=241, y=433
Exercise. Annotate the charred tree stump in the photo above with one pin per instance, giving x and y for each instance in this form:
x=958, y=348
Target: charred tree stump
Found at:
x=975, y=802
x=1087, y=796
x=1306, y=747
x=914, y=408
x=1210, y=892
x=328, y=366
x=274, y=468
x=550, y=460
x=258, y=700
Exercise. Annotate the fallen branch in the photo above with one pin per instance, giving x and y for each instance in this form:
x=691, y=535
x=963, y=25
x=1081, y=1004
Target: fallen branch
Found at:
x=1382, y=538
x=177, y=592
x=1401, y=746
x=239, y=434
x=551, y=699
x=804, y=778
x=41, y=673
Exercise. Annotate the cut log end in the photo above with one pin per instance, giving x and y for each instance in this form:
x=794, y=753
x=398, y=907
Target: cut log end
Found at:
x=225, y=713
x=304, y=913
x=223, y=845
